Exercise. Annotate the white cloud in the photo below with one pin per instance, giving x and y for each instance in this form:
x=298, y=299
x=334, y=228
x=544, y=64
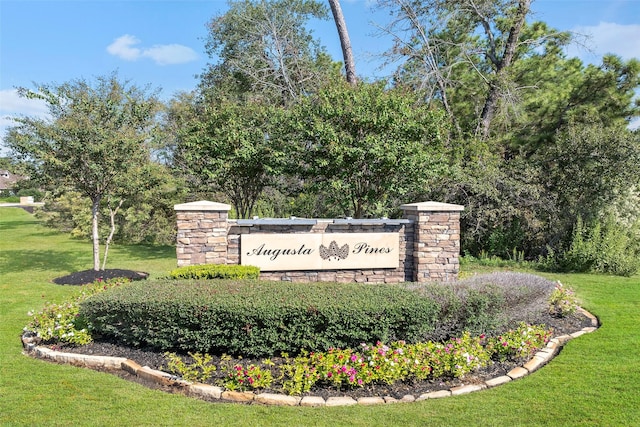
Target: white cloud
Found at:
x=121, y=47
x=167, y=54
x=170, y=54
x=606, y=38
x=13, y=105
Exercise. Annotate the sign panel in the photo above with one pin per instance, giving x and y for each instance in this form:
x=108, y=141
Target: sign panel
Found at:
x=318, y=251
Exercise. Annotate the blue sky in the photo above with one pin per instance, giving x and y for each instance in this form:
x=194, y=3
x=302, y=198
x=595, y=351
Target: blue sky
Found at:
x=161, y=42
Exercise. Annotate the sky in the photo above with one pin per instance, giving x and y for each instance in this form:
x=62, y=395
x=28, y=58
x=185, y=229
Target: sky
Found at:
x=161, y=43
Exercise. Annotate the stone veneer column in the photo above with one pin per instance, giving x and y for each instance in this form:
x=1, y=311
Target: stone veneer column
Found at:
x=202, y=233
x=436, y=248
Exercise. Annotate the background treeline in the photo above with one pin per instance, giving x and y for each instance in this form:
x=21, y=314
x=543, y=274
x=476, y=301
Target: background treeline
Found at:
x=484, y=110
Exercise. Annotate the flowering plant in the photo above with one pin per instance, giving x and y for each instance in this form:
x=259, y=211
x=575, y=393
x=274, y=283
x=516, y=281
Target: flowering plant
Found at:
x=200, y=370
x=62, y=323
x=59, y=322
x=562, y=301
x=250, y=377
x=382, y=363
x=518, y=343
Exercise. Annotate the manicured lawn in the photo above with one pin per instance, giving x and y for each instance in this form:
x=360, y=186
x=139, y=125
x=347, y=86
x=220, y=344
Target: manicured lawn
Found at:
x=594, y=381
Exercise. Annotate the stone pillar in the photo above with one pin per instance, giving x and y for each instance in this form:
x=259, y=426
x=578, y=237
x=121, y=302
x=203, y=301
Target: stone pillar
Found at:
x=202, y=233
x=436, y=248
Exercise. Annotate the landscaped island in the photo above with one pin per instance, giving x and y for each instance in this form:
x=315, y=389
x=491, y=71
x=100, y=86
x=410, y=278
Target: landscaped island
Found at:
x=301, y=338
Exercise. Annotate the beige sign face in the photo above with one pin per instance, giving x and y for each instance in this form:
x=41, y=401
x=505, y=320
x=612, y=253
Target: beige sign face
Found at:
x=317, y=251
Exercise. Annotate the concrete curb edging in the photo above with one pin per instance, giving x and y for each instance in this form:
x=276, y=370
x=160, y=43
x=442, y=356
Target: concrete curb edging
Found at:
x=209, y=392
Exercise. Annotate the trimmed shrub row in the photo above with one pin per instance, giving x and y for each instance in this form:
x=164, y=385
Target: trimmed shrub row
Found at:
x=262, y=319
x=216, y=271
x=258, y=318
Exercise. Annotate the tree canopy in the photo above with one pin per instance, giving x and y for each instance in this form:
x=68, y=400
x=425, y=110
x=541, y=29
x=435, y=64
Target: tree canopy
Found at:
x=96, y=141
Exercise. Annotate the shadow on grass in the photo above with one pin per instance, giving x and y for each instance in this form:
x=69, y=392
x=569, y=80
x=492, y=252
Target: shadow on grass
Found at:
x=16, y=224
x=21, y=225
x=13, y=261
x=139, y=252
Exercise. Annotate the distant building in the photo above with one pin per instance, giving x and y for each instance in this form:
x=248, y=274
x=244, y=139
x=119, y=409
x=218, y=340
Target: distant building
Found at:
x=8, y=180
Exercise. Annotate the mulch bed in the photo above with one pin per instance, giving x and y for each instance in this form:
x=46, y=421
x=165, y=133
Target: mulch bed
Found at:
x=156, y=360
x=86, y=277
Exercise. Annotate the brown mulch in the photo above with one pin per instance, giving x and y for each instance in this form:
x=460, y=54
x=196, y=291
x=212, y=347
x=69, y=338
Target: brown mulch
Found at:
x=86, y=277
x=156, y=360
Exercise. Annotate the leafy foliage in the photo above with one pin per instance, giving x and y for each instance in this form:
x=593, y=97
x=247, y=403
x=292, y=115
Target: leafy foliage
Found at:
x=62, y=323
x=95, y=143
x=216, y=271
x=259, y=318
x=200, y=370
x=228, y=148
x=264, y=318
x=265, y=52
x=562, y=302
x=519, y=343
x=603, y=248
x=378, y=363
x=250, y=377
x=365, y=147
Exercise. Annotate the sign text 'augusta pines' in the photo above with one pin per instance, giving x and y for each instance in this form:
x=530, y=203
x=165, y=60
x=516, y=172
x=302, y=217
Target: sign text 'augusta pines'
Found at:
x=316, y=251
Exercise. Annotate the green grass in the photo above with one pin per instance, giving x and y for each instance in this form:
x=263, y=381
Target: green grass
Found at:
x=595, y=381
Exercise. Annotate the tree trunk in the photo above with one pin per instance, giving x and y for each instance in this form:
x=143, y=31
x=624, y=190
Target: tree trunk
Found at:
x=345, y=43
x=112, y=217
x=94, y=233
x=495, y=86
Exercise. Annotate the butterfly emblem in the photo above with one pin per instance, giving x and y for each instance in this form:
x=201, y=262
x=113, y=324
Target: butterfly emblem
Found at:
x=334, y=252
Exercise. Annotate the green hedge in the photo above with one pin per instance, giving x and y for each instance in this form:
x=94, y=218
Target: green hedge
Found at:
x=216, y=271
x=253, y=318
x=258, y=319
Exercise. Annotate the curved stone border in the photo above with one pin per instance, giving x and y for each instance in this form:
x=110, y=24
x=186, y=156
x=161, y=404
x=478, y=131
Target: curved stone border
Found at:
x=206, y=391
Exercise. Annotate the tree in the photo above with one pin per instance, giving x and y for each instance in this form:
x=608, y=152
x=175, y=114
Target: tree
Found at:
x=589, y=168
x=228, y=148
x=96, y=141
x=345, y=42
x=469, y=44
x=367, y=147
x=264, y=51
